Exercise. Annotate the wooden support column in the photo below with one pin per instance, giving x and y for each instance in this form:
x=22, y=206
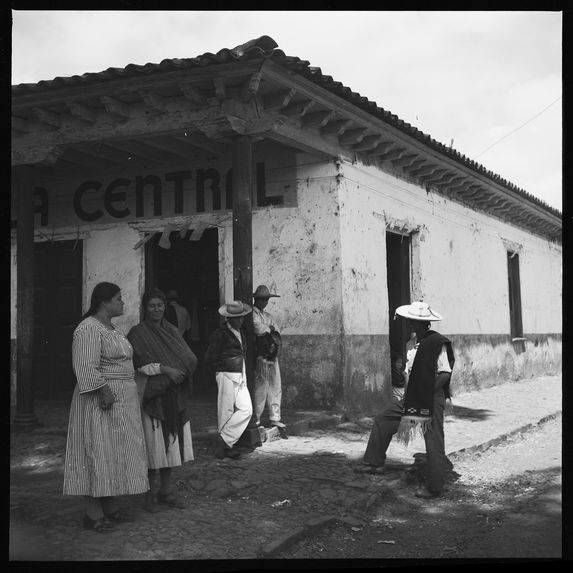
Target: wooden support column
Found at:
x=243, y=257
x=24, y=419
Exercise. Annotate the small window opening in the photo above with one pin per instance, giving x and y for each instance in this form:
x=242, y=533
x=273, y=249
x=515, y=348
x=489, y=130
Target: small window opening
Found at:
x=515, y=320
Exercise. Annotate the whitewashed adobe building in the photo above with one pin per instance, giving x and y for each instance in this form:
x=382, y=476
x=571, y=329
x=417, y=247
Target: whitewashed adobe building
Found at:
x=214, y=174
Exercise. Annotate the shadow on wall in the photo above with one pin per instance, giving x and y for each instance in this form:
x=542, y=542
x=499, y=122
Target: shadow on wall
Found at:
x=484, y=361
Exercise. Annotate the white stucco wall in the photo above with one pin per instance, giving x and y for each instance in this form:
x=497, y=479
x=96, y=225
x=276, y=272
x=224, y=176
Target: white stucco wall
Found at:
x=459, y=261
x=296, y=253
x=109, y=256
x=363, y=254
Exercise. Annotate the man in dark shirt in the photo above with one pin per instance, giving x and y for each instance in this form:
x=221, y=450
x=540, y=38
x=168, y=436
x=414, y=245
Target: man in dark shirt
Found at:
x=429, y=368
x=225, y=356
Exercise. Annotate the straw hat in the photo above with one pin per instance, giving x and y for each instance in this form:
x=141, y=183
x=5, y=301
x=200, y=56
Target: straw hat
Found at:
x=418, y=311
x=235, y=308
x=263, y=292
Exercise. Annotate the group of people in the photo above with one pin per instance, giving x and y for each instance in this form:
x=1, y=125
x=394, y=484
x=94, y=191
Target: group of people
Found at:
x=130, y=410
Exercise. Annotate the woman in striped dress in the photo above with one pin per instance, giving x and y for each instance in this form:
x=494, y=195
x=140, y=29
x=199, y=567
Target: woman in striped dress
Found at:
x=105, y=451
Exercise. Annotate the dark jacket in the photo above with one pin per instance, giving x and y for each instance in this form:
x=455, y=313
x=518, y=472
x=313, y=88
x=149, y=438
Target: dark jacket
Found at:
x=224, y=353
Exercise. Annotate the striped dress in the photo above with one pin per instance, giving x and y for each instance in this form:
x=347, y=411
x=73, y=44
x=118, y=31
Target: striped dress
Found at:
x=105, y=450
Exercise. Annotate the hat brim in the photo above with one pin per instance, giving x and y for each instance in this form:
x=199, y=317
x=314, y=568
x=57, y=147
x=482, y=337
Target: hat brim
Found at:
x=223, y=311
x=405, y=311
x=266, y=296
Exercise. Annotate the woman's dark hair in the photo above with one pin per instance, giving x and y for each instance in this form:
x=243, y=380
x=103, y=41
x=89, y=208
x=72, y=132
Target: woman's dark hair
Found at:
x=150, y=294
x=103, y=292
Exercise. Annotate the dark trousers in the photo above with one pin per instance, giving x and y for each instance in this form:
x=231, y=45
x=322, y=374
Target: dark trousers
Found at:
x=386, y=425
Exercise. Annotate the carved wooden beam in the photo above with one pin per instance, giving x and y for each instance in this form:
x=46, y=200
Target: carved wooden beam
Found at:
x=395, y=153
x=416, y=164
x=251, y=87
x=306, y=140
x=318, y=119
x=422, y=179
x=202, y=142
x=153, y=101
x=424, y=169
x=192, y=93
x=25, y=126
x=278, y=100
x=369, y=142
x=297, y=109
x=82, y=111
x=404, y=161
x=220, y=89
x=462, y=183
x=115, y=106
x=47, y=117
x=439, y=179
x=337, y=127
x=353, y=136
x=476, y=194
x=382, y=148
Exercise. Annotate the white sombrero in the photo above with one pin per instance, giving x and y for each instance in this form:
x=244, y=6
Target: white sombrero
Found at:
x=235, y=308
x=418, y=311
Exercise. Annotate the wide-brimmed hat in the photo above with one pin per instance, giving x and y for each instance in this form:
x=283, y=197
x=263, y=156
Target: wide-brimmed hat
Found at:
x=263, y=292
x=418, y=311
x=235, y=308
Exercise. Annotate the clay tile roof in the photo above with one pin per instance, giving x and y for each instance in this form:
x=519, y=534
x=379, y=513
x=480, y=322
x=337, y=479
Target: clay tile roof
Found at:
x=266, y=47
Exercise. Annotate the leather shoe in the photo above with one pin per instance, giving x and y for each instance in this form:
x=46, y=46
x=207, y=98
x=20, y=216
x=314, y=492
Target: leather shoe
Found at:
x=232, y=453
x=282, y=432
x=219, y=447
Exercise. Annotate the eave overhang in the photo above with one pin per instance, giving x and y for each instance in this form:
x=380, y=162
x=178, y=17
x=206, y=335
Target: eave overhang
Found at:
x=172, y=111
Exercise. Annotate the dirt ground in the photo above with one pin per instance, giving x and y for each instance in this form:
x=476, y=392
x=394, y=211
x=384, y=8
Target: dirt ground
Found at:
x=505, y=504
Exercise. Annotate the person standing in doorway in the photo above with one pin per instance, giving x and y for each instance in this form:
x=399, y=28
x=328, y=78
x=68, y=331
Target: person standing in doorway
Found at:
x=226, y=357
x=105, y=449
x=177, y=314
x=268, y=389
x=430, y=365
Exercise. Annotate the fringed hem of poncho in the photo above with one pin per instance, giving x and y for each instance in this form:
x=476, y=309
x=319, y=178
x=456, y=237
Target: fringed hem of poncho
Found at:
x=410, y=426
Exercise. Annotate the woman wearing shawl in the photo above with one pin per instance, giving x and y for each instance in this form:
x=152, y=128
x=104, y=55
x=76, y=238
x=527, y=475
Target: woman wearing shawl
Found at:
x=164, y=371
x=430, y=366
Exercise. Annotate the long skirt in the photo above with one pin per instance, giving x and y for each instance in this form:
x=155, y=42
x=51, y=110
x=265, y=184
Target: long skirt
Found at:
x=105, y=450
x=157, y=456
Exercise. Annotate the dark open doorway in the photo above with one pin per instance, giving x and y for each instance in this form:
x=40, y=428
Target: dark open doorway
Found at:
x=192, y=269
x=57, y=312
x=398, y=267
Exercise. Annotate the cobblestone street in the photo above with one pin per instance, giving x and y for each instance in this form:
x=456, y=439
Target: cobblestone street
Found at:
x=255, y=506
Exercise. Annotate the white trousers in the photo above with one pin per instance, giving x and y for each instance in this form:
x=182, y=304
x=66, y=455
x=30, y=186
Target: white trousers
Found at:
x=268, y=389
x=234, y=406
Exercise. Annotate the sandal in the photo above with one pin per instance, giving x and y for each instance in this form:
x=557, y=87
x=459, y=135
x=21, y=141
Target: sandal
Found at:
x=151, y=502
x=100, y=525
x=117, y=516
x=170, y=500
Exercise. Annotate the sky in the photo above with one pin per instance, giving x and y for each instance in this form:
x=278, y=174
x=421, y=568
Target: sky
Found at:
x=489, y=83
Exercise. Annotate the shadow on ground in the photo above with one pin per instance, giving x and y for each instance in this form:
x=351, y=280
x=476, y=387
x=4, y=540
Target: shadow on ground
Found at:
x=471, y=414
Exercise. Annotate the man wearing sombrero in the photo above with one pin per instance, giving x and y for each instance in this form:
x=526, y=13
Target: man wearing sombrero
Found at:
x=225, y=356
x=430, y=368
x=268, y=389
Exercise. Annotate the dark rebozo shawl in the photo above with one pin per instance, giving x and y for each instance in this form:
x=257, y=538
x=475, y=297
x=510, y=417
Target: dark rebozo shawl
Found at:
x=162, y=400
x=419, y=397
